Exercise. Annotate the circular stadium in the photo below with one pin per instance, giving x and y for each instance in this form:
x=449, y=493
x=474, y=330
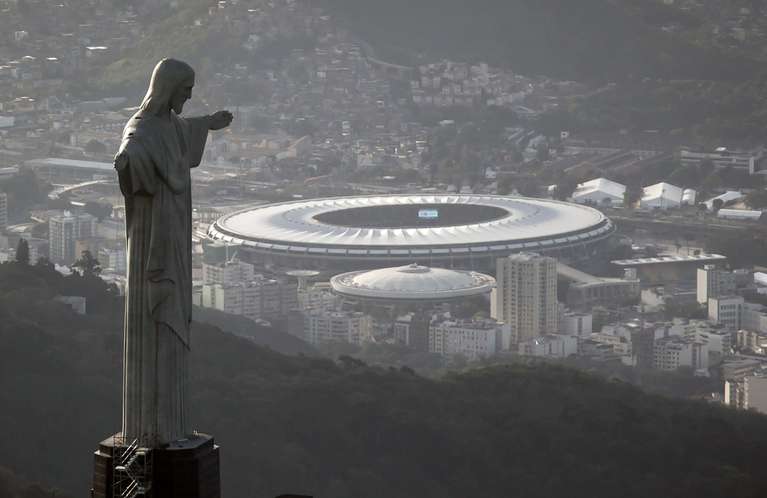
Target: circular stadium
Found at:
x=451, y=230
x=411, y=283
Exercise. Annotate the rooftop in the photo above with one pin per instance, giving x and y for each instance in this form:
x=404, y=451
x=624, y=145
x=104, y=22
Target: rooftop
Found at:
x=412, y=282
x=669, y=259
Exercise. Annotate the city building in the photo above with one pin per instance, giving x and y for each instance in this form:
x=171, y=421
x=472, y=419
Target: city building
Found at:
x=755, y=342
x=526, y=295
x=3, y=211
x=319, y=296
x=673, y=352
x=713, y=282
x=754, y=318
x=344, y=326
x=584, y=291
x=642, y=346
x=577, y=324
x=549, y=346
x=752, y=162
x=748, y=393
x=64, y=231
x=259, y=298
x=412, y=330
x=599, y=192
x=734, y=369
x=667, y=268
x=726, y=311
x=114, y=259
x=473, y=339
x=227, y=273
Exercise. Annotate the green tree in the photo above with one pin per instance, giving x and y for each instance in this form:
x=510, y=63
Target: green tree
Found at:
x=98, y=209
x=22, y=252
x=566, y=187
x=757, y=199
x=87, y=264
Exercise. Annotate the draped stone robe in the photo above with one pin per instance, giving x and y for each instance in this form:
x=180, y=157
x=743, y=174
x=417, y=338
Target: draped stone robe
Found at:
x=156, y=184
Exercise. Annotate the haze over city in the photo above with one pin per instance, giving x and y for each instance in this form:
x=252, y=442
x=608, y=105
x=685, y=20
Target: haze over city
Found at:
x=352, y=249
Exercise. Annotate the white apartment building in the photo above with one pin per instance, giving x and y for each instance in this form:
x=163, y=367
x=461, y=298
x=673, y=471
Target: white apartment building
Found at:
x=64, y=231
x=473, y=339
x=577, y=324
x=258, y=299
x=754, y=318
x=713, y=282
x=550, y=346
x=114, y=258
x=680, y=351
x=228, y=273
x=749, y=393
x=319, y=296
x=344, y=326
x=526, y=295
x=726, y=311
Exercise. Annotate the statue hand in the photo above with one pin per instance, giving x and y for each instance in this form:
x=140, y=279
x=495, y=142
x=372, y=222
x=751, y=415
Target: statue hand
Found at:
x=220, y=119
x=121, y=161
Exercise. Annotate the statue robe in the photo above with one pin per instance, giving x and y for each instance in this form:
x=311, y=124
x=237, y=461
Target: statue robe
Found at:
x=156, y=185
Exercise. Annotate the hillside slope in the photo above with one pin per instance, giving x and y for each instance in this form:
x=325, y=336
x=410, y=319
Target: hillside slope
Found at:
x=605, y=40
x=343, y=429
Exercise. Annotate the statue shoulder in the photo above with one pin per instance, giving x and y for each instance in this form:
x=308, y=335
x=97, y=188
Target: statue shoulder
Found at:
x=140, y=126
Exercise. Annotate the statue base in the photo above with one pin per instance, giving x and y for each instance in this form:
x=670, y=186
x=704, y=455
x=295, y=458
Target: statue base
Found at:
x=187, y=468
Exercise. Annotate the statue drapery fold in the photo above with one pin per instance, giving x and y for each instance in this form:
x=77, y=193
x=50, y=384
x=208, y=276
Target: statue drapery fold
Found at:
x=156, y=184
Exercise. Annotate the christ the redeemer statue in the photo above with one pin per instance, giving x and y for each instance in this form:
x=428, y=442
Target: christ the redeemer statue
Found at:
x=153, y=165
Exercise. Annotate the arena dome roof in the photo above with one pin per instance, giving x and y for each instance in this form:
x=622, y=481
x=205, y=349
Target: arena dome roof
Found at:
x=412, y=227
x=412, y=282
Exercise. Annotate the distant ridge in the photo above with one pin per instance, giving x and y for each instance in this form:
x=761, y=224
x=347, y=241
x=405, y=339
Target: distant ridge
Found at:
x=588, y=40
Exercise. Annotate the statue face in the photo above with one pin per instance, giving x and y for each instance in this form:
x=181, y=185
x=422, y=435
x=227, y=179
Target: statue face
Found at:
x=182, y=94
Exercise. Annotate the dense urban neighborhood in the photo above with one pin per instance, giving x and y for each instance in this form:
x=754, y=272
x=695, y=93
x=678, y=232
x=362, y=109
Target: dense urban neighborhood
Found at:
x=431, y=212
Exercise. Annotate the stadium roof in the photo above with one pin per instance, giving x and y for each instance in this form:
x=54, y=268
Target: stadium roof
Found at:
x=523, y=225
x=412, y=282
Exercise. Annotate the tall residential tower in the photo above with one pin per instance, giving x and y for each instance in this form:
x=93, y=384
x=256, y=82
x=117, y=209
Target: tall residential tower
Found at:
x=526, y=295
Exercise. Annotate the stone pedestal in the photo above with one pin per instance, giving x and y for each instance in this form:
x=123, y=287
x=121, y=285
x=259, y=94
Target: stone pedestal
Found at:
x=187, y=468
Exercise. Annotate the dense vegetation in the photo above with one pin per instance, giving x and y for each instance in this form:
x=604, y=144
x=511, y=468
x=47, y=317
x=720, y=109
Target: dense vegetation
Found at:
x=12, y=486
x=344, y=429
x=587, y=40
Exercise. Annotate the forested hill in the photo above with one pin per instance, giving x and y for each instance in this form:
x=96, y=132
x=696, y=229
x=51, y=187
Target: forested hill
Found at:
x=346, y=430
x=12, y=486
x=588, y=40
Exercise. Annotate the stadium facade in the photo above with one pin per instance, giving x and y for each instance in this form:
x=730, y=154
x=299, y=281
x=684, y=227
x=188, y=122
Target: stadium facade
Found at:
x=450, y=231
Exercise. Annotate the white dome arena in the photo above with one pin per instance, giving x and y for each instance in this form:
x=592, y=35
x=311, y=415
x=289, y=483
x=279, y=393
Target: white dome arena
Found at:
x=435, y=230
x=412, y=282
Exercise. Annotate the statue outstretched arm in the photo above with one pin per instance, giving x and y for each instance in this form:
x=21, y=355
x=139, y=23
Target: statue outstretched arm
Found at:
x=196, y=132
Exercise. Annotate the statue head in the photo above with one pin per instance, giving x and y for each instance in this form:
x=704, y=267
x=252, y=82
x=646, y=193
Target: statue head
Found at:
x=170, y=87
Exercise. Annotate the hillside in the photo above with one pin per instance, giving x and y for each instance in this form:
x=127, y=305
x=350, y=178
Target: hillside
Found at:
x=588, y=40
x=343, y=429
x=12, y=486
